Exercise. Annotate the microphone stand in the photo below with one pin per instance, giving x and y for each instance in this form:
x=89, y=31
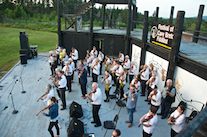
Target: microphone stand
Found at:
x=14, y=111
x=23, y=91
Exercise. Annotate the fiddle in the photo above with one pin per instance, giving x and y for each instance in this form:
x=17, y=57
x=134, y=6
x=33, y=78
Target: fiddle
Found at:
x=146, y=119
x=95, y=65
x=172, y=119
x=150, y=96
x=42, y=96
x=104, y=79
x=91, y=93
x=130, y=70
x=81, y=72
x=44, y=109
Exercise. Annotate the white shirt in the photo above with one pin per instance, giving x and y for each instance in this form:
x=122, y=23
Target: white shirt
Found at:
x=133, y=70
x=49, y=95
x=155, y=82
x=145, y=75
x=62, y=82
x=179, y=122
x=65, y=58
x=137, y=85
x=96, y=69
x=154, y=69
x=69, y=72
x=121, y=59
x=94, y=53
x=114, y=68
x=93, y=62
x=72, y=66
x=109, y=79
x=157, y=98
x=96, y=97
x=127, y=64
x=57, y=50
x=50, y=59
x=153, y=121
x=108, y=61
x=118, y=71
x=75, y=55
x=88, y=61
x=124, y=79
x=100, y=57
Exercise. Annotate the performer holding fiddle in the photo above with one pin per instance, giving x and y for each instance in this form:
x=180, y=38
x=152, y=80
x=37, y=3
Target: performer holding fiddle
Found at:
x=144, y=75
x=101, y=59
x=155, y=97
x=118, y=72
x=96, y=70
x=53, y=114
x=79, y=68
x=107, y=62
x=177, y=120
x=151, y=83
x=96, y=102
x=50, y=60
x=94, y=52
x=121, y=57
x=107, y=82
x=83, y=81
x=131, y=72
x=136, y=83
x=131, y=96
x=149, y=121
x=64, y=59
x=67, y=69
x=72, y=64
x=54, y=79
x=74, y=55
x=50, y=93
x=126, y=65
x=122, y=81
x=57, y=52
x=113, y=68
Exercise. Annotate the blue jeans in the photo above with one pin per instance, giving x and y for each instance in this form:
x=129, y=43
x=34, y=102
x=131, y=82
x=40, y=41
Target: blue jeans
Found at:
x=131, y=111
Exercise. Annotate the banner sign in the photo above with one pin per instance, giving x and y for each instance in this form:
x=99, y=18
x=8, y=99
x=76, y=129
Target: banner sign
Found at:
x=162, y=35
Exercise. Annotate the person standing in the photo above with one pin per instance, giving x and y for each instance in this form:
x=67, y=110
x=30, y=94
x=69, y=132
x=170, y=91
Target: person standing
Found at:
x=122, y=81
x=107, y=62
x=131, y=72
x=96, y=70
x=67, y=69
x=49, y=95
x=126, y=65
x=131, y=96
x=50, y=60
x=101, y=59
x=107, y=81
x=74, y=55
x=64, y=58
x=72, y=64
x=62, y=87
x=57, y=52
x=121, y=57
x=149, y=122
x=96, y=103
x=155, y=97
x=83, y=81
x=177, y=120
x=53, y=114
x=144, y=75
x=94, y=52
x=168, y=97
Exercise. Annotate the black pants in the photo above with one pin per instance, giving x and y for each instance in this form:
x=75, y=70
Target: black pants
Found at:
x=115, y=82
x=58, y=62
x=95, y=114
x=127, y=76
x=62, y=96
x=75, y=62
x=69, y=82
x=149, y=90
x=165, y=107
x=173, y=133
x=83, y=88
x=89, y=70
x=157, y=107
x=122, y=92
x=107, y=94
x=130, y=78
x=101, y=67
x=58, y=92
x=143, y=83
x=51, y=126
x=95, y=77
x=72, y=75
x=146, y=134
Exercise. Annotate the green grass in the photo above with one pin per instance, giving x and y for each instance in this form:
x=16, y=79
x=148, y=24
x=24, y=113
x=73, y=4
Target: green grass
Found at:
x=10, y=44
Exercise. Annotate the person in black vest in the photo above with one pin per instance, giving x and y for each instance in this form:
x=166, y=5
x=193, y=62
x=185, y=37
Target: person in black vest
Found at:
x=83, y=81
x=168, y=97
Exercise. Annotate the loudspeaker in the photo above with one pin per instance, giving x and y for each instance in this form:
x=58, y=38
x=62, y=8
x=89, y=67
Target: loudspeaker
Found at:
x=75, y=128
x=76, y=110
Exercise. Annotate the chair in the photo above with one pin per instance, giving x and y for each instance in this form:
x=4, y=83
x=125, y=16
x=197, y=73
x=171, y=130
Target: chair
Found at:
x=191, y=117
x=111, y=124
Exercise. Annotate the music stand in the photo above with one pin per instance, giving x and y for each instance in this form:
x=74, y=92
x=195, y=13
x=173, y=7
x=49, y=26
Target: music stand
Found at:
x=14, y=111
x=23, y=91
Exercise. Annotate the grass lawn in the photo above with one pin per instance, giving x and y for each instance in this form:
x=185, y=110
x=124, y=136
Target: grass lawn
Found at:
x=10, y=44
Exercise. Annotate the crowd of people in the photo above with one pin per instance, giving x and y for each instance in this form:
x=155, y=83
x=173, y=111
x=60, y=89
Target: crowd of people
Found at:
x=118, y=71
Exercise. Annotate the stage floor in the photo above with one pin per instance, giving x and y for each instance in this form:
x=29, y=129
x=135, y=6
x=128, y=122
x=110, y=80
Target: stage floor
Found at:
x=25, y=123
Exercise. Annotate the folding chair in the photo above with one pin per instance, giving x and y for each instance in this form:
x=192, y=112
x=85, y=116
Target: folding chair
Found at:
x=110, y=124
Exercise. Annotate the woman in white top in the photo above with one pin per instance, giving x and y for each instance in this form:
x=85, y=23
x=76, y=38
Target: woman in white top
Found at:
x=50, y=60
x=122, y=81
x=136, y=82
x=177, y=120
x=107, y=81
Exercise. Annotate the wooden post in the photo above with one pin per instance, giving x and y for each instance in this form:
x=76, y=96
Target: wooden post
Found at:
x=198, y=24
x=127, y=42
x=59, y=23
x=103, y=15
x=91, y=25
x=134, y=13
x=110, y=19
x=135, y=17
x=144, y=38
x=171, y=15
x=157, y=14
x=173, y=55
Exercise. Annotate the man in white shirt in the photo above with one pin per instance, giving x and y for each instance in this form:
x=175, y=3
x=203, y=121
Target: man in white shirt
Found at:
x=57, y=51
x=96, y=102
x=144, y=75
x=177, y=120
x=155, y=97
x=151, y=83
x=65, y=58
x=72, y=64
x=126, y=65
x=107, y=81
x=67, y=69
x=74, y=55
x=107, y=62
x=149, y=121
x=121, y=57
x=96, y=70
x=131, y=72
x=62, y=88
x=118, y=72
x=94, y=52
x=101, y=59
x=50, y=60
